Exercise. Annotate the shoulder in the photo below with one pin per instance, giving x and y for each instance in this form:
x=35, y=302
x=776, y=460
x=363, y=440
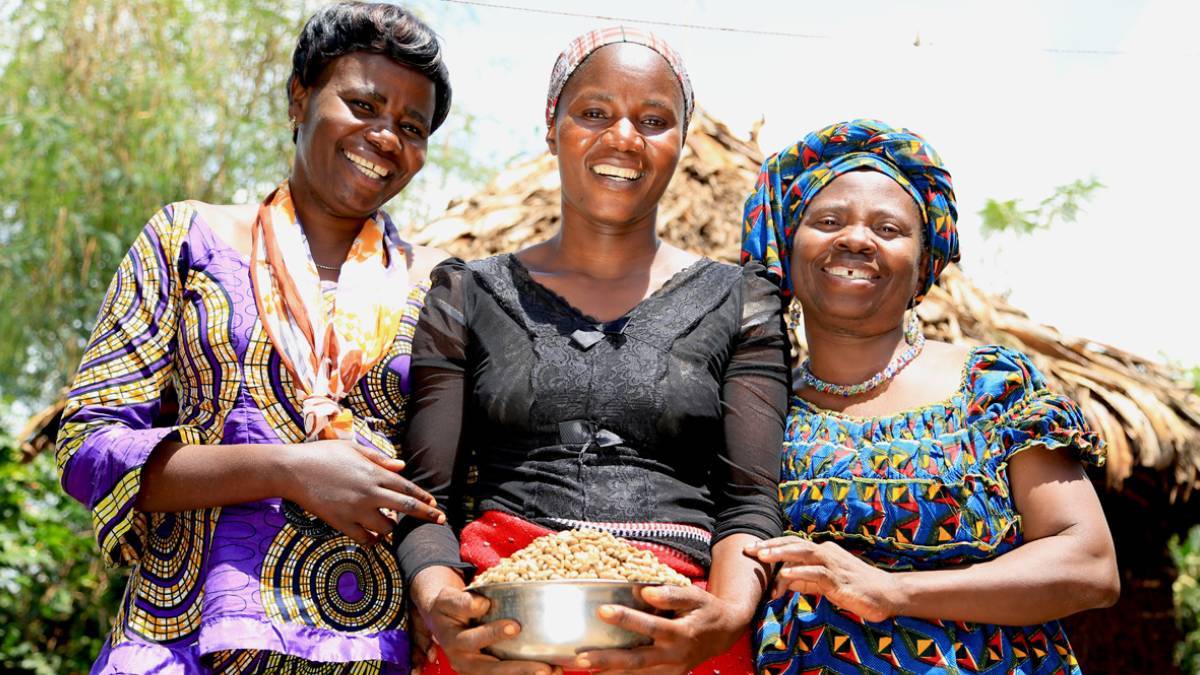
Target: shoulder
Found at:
x=754, y=286
x=492, y=265
x=424, y=259
x=1010, y=396
x=1000, y=377
x=231, y=223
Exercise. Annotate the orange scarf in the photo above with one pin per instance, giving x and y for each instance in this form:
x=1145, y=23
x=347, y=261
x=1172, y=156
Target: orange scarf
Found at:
x=326, y=352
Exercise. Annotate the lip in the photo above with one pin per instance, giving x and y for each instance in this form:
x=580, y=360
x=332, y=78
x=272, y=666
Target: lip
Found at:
x=376, y=164
x=617, y=165
x=855, y=274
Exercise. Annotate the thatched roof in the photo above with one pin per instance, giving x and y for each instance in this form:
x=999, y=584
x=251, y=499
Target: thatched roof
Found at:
x=1147, y=414
x=1144, y=410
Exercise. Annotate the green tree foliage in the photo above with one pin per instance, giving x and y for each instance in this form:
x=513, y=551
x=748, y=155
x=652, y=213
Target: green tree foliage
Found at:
x=1185, y=553
x=108, y=110
x=1062, y=205
x=56, y=598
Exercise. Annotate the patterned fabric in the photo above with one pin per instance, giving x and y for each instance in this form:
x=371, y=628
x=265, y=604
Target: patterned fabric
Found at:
x=789, y=179
x=582, y=47
x=180, y=314
x=326, y=354
x=922, y=489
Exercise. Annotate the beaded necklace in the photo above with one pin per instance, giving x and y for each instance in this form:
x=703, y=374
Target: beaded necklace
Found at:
x=912, y=335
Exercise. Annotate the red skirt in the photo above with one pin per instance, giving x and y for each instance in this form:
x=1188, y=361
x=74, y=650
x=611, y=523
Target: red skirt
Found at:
x=496, y=535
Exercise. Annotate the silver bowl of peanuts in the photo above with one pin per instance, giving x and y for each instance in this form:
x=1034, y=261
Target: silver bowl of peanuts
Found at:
x=554, y=587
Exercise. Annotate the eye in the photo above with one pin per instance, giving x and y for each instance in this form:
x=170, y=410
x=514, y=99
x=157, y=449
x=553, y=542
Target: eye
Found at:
x=592, y=114
x=413, y=130
x=889, y=230
x=362, y=105
x=654, y=122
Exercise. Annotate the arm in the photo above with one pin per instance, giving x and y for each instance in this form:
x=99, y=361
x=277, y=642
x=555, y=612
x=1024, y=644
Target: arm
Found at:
x=428, y=553
x=342, y=482
x=107, y=432
x=112, y=457
x=1067, y=563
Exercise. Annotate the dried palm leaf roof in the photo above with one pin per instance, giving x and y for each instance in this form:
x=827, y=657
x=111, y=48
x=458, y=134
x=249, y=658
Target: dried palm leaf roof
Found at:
x=1148, y=416
x=1146, y=413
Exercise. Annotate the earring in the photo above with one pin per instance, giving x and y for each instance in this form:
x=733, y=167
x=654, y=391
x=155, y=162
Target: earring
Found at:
x=295, y=125
x=912, y=327
x=795, y=314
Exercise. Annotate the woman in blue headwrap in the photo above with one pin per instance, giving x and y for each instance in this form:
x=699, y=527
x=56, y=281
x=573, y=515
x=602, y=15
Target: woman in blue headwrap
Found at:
x=939, y=519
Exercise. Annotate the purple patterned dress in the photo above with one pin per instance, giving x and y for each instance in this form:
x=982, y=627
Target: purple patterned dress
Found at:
x=256, y=587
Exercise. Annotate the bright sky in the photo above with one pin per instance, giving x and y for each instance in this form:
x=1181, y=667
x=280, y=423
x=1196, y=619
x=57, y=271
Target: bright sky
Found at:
x=995, y=87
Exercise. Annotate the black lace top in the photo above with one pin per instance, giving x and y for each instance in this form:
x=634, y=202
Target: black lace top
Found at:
x=671, y=414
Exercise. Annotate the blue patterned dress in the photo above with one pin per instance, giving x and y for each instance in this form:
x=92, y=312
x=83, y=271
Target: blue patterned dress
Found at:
x=918, y=490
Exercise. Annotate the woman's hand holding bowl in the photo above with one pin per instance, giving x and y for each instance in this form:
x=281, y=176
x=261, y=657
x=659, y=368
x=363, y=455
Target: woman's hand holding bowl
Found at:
x=704, y=625
x=451, y=615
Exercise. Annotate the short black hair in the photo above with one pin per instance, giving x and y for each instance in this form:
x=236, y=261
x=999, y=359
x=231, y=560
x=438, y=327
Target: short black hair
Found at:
x=376, y=28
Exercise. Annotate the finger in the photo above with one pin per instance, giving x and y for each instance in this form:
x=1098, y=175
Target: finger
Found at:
x=796, y=551
x=769, y=543
x=374, y=521
x=358, y=533
x=405, y=486
x=461, y=606
x=674, y=598
x=655, y=627
x=410, y=506
x=390, y=463
x=812, y=579
x=621, y=660
x=479, y=637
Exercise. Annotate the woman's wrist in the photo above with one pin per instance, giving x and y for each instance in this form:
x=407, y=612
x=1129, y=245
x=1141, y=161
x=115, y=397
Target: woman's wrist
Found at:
x=739, y=610
x=430, y=582
x=899, y=593
x=285, y=465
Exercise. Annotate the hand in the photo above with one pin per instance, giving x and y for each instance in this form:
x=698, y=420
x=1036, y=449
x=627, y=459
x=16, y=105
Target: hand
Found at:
x=828, y=569
x=704, y=626
x=450, y=617
x=346, y=485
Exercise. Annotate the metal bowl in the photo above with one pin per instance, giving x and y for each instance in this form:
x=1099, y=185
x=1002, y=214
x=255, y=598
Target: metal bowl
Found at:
x=558, y=618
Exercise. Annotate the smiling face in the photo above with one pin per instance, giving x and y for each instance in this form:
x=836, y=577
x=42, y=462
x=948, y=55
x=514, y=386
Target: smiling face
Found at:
x=618, y=135
x=857, y=253
x=364, y=127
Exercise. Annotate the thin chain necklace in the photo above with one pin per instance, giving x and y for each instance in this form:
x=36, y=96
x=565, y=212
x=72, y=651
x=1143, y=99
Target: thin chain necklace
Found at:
x=331, y=268
x=912, y=335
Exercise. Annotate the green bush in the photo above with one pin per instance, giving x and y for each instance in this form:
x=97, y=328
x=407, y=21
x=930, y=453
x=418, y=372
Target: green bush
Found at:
x=1186, y=555
x=56, y=598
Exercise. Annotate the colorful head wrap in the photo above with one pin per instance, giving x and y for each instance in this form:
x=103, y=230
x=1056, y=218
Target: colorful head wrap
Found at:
x=790, y=179
x=583, y=46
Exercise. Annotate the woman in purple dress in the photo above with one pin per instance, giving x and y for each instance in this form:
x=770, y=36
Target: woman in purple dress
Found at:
x=251, y=521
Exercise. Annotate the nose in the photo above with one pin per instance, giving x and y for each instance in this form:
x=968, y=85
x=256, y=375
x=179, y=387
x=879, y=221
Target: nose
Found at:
x=384, y=138
x=622, y=135
x=856, y=238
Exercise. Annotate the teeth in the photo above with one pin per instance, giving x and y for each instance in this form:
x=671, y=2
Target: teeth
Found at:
x=616, y=172
x=369, y=168
x=848, y=273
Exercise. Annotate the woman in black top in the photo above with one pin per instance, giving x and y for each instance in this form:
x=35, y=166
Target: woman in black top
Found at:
x=603, y=379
